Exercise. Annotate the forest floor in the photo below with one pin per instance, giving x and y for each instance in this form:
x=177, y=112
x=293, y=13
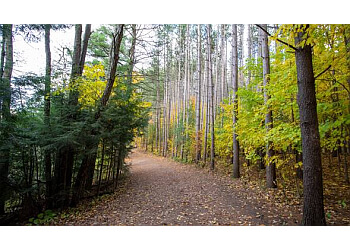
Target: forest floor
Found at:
x=160, y=191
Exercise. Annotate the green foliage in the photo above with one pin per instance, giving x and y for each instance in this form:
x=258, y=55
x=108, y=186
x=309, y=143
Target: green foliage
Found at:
x=342, y=203
x=70, y=125
x=42, y=219
x=99, y=45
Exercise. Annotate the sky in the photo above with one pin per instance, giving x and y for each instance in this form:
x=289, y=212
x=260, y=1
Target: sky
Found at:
x=30, y=56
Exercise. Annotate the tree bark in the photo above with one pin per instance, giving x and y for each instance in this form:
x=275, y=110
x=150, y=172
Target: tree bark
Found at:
x=166, y=102
x=157, y=103
x=211, y=84
x=76, y=61
x=249, y=53
x=101, y=168
x=313, y=210
x=270, y=168
x=87, y=34
x=240, y=34
x=6, y=115
x=206, y=103
x=347, y=48
x=223, y=63
x=187, y=80
x=236, y=172
x=2, y=56
x=198, y=99
x=47, y=104
x=118, y=36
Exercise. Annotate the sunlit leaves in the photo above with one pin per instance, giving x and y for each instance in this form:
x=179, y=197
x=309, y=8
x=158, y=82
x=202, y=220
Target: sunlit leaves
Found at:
x=91, y=85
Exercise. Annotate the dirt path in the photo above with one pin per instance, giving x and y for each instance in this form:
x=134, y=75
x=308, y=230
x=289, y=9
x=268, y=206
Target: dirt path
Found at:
x=162, y=192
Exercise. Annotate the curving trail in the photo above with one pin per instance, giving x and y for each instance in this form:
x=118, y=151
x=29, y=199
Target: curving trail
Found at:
x=163, y=192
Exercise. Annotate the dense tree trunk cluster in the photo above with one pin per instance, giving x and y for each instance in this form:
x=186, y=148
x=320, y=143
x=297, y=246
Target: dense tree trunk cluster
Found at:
x=204, y=94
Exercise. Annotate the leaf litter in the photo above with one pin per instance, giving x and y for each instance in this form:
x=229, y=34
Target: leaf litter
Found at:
x=162, y=192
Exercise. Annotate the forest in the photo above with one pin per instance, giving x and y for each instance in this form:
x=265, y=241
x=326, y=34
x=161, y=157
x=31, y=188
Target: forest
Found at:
x=267, y=105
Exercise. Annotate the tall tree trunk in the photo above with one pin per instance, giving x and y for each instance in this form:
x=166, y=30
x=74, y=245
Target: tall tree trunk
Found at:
x=157, y=103
x=223, y=68
x=47, y=103
x=211, y=84
x=178, y=105
x=2, y=56
x=65, y=155
x=236, y=172
x=6, y=115
x=240, y=34
x=77, y=51
x=249, y=53
x=91, y=148
x=270, y=168
x=88, y=163
x=187, y=80
x=347, y=47
x=346, y=173
x=119, y=165
x=198, y=99
x=185, y=97
x=166, y=99
x=216, y=72
x=118, y=36
x=84, y=47
x=101, y=168
x=313, y=211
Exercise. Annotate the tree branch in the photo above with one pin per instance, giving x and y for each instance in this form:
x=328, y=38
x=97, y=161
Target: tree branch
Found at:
x=344, y=87
x=323, y=72
x=290, y=46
